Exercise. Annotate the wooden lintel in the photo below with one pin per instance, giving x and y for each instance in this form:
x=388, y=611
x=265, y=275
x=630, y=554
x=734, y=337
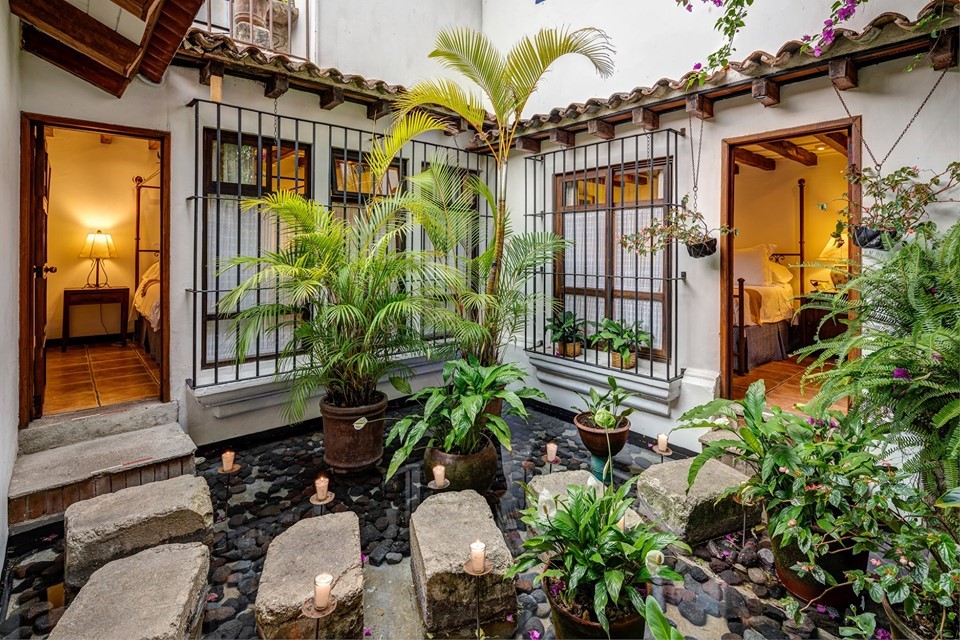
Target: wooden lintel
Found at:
x=210, y=69
x=106, y=138
x=700, y=106
x=843, y=73
x=836, y=140
x=790, y=151
x=601, y=129
x=72, y=61
x=563, y=138
x=139, y=8
x=751, y=159
x=378, y=109
x=766, y=92
x=944, y=52
x=528, y=144
x=331, y=98
x=78, y=30
x=456, y=126
x=276, y=85
x=647, y=119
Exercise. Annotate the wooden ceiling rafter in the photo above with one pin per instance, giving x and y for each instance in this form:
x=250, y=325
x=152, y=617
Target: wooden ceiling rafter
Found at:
x=751, y=159
x=790, y=151
x=836, y=140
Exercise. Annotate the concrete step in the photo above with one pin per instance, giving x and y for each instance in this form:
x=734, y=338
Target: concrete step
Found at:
x=45, y=483
x=71, y=428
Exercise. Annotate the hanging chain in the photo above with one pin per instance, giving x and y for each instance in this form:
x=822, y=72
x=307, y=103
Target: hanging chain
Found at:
x=879, y=164
x=276, y=123
x=695, y=159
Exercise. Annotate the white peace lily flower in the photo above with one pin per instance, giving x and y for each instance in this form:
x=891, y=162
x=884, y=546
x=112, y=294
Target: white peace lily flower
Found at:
x=546, y=504
x=721, y=421
x=654, y=562
x=360, y=423
x=594, y=485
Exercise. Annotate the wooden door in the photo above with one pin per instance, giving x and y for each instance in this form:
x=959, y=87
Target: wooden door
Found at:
x=40, y=197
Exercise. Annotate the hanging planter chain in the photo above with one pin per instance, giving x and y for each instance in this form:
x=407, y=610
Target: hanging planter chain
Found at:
x=695, y=158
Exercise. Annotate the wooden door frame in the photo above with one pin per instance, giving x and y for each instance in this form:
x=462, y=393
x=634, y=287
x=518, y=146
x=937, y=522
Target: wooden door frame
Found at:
x=27, y=120
x=853, y=126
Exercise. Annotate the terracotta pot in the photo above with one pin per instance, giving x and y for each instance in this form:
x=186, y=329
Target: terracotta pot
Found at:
x=348, y=449
x=867, y=238
x=474, y=471
x=807, y=588
x=253, y=12
x=569, y=627
x=617, y=361
x=571, y=349
x=595, y=440
x=702, y=249
x=899, y=628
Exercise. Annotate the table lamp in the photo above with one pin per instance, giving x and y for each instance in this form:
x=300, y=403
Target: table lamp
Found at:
x=98, y=247
x=831, y=257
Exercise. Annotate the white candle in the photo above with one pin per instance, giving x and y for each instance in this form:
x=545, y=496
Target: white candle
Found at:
x=322, y=483
x=662, y=442
x=439, y=475
x=227, y=459
x=321, y=591
x=551, y=451
x=477, y=552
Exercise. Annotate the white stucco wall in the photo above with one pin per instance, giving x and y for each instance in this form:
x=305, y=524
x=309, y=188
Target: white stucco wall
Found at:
x=9, y=229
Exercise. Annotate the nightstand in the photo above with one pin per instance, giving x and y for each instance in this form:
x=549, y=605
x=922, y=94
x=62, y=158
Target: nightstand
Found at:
x=104, y=295
x=810, y=319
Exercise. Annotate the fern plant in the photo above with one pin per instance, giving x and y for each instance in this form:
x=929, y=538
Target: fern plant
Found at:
x=899, y=358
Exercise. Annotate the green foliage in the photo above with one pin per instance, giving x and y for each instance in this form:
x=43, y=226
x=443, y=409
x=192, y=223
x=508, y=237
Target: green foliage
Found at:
x=657, y=622
x=617, y=337
x=679, y=224
x=604, y=409
x=593, y=566
x=566, y=328
x=861, y=626
x=455, y=417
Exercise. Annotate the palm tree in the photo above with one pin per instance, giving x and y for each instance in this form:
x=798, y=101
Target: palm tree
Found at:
x=506, y=84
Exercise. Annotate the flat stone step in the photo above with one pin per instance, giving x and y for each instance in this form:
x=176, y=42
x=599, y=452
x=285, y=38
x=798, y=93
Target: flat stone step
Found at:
x=62, y=430
x=157, y=594
x=45, y=483
x=117, y=525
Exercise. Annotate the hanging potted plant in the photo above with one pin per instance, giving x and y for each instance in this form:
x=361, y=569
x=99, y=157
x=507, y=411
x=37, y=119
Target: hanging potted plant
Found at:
x=679, y=224
x=620, y=341
x=897, y=206
x=567, y=331
x=596, y=570
x=458, y=424
x=602, y=423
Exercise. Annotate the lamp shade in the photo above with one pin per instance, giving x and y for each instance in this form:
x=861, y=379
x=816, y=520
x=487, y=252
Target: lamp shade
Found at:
x=99, y=245
x=831, y=251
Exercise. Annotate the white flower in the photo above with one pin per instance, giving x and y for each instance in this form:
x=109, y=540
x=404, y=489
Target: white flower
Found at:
x=594, y=485
x=546, y=504
x=360, y=423
x=721, y=421
x=654, y=562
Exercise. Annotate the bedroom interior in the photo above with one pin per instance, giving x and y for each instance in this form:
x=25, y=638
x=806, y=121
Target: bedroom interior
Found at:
x=785, y=201
x=103, y=299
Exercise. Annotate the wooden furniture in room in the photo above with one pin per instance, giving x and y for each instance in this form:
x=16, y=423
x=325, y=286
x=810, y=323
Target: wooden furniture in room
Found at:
x=810, y=319
x=104, y=295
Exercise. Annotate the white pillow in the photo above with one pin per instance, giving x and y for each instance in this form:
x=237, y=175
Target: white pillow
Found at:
x=780, y=274
x=753, y=264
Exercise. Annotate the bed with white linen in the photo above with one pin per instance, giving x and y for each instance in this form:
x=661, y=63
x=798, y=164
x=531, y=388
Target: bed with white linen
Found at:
x=146, y=304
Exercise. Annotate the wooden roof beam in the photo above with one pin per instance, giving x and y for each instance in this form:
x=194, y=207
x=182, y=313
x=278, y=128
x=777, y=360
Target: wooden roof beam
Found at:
x=70, y=60
x=106, y=138
x=153, y=145
x=276, y=85
x=790, y=151
x=699, y=106
x=139, y=8
x=563, y=138
x=843, y=73
x=751, y=159
x=378, y=109
x=79, y=31
x=944, y=52
x=211, y=74
x=647, y=119
x=836, y=140
x=331, y=98
x=766, y=92
x=530, y=145
x=601, y=129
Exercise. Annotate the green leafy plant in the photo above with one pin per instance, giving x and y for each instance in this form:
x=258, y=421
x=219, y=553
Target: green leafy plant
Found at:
x=679, y=224
x=594, y=569
x=455, y=417
x=566, y=328
x=620, y=338
x=657, y=622
x=604, y=410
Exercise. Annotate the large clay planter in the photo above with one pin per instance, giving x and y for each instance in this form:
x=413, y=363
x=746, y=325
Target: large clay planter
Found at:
x=345, y=447
x=899, y=628
x=569, y=627
x=595, y=440
x=475, y=471
x=807, y=587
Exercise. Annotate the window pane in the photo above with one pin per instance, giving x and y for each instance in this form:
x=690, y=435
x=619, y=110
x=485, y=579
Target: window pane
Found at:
x=230, y=160
x=633, y=184
x=585, y=260
x=355, y=177
x=633, y=272
x=585, y=192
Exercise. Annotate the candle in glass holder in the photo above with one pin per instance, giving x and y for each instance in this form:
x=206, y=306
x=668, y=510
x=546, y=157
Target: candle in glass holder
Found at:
x=439, y=475
x=227, y=459
x=321, y=591
x=551, y=451
x=478, y=552
x=662, y=442
x=322, y=483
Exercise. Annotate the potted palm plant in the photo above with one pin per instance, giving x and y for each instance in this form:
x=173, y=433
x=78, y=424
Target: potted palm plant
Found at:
x=596, y=570
x=602, y=423
x=458, y=423
x=337, y=304
x=679, y=224
x=567, y=331
x=621, y=341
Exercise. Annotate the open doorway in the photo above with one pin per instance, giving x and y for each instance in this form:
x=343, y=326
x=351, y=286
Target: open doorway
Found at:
x=94, y=224
x=775, y=183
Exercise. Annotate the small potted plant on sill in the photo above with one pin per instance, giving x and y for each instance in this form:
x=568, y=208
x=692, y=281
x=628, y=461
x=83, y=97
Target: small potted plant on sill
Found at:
x=597, y=569
x=620, y=341
x=567, y=331
x=602, y=423
x=897, y=206
x=459, y=423
x=679, y=224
